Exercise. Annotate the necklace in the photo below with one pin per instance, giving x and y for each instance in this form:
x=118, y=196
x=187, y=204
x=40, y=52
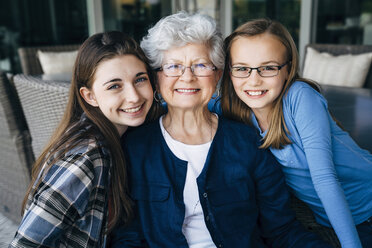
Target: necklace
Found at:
x=196, y=204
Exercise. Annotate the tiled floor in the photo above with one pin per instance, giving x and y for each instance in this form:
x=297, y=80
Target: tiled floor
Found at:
x=7, y=231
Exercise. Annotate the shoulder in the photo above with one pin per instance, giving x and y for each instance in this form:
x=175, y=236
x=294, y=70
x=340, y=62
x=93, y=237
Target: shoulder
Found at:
x=142, y=134
x=238, y=132
x=89, y=160
x=89, y=148
x=300, y=88
x=85, y=166
x=232, y=126
x=298, y=85
x=240, y=143
x=302, y=93
x=85, y=140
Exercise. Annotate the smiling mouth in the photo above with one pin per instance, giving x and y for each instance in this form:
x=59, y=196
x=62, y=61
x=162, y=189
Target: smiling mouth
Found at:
x=255, y=92
x=132, y=110
x=187, y=90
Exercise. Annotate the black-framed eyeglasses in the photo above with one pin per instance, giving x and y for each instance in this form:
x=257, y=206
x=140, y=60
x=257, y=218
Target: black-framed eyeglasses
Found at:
x=263, y=71
x=177, y=70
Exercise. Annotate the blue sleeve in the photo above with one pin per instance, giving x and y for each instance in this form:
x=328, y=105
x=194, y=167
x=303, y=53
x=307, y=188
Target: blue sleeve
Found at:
x=313, y=122
x=277, y=221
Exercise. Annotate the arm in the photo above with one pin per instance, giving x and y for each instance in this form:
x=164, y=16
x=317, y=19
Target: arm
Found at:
x=276, y=219
x=312, y=120
x=59, y=202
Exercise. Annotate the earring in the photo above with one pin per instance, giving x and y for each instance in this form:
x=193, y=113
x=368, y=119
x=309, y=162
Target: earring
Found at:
x=216, y=96
x=157, y=97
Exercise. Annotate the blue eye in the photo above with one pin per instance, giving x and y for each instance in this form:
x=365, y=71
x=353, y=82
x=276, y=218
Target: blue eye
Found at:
x=141, y=79
x=112, y=87
x=172, y=66
x=200, y=66
x=241, y=68
x=269, y=68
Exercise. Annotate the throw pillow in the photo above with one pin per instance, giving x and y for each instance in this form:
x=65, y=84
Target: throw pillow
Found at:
x=57, y=62
x=343, y=70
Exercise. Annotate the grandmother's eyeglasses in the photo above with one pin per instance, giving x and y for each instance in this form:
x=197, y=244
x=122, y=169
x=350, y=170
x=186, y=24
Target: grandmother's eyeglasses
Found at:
x=263, y=71
x=177, y=70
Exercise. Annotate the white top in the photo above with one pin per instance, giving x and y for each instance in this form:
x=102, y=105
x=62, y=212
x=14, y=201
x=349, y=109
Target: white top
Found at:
x=194, y=228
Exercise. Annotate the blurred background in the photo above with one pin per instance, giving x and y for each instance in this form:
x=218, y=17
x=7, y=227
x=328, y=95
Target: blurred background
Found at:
x=39, y=39
x=25, y=23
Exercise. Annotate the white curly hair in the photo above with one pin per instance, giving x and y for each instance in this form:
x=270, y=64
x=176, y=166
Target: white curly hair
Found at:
x=180, y=29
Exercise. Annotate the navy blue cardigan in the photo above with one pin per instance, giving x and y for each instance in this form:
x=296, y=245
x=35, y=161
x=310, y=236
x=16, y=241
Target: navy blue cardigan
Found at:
x=241, y=189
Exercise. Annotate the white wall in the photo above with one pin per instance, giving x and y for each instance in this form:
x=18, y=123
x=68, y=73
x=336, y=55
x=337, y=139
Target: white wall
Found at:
x=95, y=16
x=306, y=17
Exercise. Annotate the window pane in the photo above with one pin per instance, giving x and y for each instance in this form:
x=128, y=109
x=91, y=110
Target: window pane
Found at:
x=38, y=23
x=344, y=22
x=208, y=7
x=134, y=17
x=285, y=11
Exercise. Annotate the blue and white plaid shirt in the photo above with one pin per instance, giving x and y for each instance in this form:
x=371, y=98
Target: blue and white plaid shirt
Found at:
x=70, y=205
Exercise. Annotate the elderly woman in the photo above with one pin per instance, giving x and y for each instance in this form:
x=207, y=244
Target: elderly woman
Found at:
x=199, y=180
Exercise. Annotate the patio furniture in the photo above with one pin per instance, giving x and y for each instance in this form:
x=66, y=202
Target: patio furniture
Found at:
x=43, y=103
x=15, y=151
x=29, y=61
x=338, y=49
x=352, y=107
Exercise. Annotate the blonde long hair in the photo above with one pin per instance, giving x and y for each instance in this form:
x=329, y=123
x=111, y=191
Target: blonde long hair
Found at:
x=234, y=108
x=97, y=48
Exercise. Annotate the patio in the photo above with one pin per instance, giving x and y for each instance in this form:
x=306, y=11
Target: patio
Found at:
x=7, y=231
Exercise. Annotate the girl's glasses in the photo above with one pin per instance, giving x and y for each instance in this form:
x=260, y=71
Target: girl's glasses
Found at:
x=263, y=71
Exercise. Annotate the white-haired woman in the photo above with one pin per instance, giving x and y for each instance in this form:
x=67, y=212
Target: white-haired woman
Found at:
x=199, y=180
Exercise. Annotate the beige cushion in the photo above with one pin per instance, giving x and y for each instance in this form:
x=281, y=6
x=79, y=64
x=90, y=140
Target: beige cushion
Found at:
x=57, y=62
x=343, y=70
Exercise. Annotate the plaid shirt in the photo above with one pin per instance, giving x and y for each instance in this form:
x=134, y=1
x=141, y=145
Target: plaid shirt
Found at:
x=70, y=205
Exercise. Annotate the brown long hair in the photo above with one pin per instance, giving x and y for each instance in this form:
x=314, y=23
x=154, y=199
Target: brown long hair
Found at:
x=97, y=48
x=234, y=108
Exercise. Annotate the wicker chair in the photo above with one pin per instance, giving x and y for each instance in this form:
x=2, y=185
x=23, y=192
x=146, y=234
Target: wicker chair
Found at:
x=44, y=103
x=344, y=49
x=28, y=56
x=15, y=151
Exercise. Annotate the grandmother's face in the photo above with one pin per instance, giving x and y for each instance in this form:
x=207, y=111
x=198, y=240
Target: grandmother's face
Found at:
x=188, y=91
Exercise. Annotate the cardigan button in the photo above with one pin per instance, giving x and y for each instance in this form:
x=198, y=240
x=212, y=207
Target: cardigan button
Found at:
x=207, y=218
x=205, y=195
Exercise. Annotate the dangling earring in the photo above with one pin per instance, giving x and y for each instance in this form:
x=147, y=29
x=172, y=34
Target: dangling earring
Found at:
x=157, y=97
x=216, y=96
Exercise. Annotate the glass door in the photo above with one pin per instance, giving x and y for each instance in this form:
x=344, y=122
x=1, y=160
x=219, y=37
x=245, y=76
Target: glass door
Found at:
x=134, y=17
x=285, y=11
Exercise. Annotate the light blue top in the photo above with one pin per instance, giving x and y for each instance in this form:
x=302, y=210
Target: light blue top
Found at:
x=323, y=166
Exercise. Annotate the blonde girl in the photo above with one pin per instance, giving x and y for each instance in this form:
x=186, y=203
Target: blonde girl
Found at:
x=323, y=166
